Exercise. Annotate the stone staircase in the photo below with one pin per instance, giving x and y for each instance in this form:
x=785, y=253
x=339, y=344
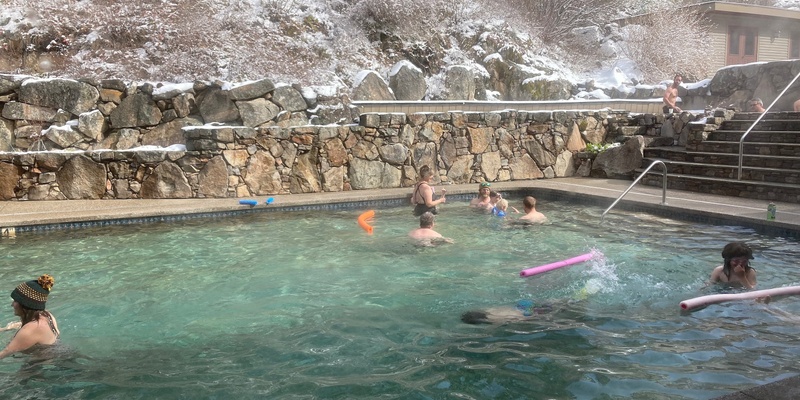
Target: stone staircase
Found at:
x=709, y=162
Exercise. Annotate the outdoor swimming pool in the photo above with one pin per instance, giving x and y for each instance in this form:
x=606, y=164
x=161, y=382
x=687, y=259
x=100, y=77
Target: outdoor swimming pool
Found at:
x=306, y=305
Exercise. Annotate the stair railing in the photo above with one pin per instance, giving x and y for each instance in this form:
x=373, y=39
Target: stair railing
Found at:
x=741, y=140
x=663, y=191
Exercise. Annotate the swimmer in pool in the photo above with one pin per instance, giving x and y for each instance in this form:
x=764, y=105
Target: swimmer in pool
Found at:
x=524, y=310
x=531, y=215
x=735, y=270
x=482, y=202
x=425, y=235
x=38, y=327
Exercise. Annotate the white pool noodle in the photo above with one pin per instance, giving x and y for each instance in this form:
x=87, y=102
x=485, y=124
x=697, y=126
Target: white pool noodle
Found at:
x=719, y=298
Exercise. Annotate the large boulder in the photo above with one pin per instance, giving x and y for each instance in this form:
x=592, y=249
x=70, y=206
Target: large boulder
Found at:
x=289, y=99
x=251, y=90
x=407, y=81
x=366, y=174
x=213, y=178
x=620, y=162
x=6, y=135
x=9, y=176
x=135, y=111
x=66, y=94
x=459, y=83
x=82, y=178
x=370, y=86
x=166, y=182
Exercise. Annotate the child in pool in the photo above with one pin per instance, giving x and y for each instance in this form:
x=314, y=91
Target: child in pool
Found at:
x=735, y=270
x=501, y=208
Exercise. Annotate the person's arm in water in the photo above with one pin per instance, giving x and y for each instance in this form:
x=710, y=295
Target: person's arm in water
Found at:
x=27, y=336
x=11, y=326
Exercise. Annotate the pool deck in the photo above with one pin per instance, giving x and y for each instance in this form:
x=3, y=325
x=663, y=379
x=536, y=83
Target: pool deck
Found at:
x=601, y=192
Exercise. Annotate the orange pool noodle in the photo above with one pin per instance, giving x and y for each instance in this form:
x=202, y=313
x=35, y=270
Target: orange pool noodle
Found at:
x=364, y=220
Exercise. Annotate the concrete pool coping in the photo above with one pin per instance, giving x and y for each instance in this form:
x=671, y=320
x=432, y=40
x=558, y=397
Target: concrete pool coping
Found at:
x=690, y=206
x=683, y=205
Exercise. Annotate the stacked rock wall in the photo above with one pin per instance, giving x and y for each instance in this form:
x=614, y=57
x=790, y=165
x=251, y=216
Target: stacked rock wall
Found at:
x=69, y=139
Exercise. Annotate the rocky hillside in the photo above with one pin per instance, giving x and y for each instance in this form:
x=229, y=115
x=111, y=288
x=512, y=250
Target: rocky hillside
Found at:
x=325, y=45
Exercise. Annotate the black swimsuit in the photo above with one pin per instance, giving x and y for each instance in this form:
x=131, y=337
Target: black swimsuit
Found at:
x=420, y=209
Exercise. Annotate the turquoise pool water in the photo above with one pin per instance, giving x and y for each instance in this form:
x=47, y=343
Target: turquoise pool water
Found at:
x=305, y=305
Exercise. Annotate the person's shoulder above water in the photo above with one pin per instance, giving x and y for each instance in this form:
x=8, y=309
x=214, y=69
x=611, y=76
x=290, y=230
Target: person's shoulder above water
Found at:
x=38, y=326
x=735, y=270
x=531, y=215
x=425, y=234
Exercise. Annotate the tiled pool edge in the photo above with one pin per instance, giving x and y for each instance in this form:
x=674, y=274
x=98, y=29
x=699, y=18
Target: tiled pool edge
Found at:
x=771, y=228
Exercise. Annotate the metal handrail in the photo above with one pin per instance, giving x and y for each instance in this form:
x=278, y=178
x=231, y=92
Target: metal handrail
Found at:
x=663, y=192
x=741, y=140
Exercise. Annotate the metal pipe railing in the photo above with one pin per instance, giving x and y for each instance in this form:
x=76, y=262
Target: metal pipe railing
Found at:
x=741, y=140
x=663, y=191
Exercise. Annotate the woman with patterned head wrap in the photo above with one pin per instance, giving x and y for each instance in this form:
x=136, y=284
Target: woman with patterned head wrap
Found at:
x=38, y=327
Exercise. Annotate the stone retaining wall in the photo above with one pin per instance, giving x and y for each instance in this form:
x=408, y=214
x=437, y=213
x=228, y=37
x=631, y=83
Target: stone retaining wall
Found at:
x=84, y=139
x=382, y=151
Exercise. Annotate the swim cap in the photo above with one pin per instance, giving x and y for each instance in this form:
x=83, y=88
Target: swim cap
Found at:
x=33, y=294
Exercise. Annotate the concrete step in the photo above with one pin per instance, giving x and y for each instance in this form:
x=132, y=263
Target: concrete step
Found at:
x=780, y=115
x=763, y=136
x=730, y=159
x=725, y=186
x=759, y=174
x=760, y=148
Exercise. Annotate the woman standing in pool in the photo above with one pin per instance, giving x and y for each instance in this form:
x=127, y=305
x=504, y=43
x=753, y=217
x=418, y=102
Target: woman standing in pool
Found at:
x=422, y=198
x=736, y=269
x=39, y=328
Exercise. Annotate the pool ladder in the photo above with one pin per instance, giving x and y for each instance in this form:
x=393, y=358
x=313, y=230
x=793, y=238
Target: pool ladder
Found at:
x=663, y=191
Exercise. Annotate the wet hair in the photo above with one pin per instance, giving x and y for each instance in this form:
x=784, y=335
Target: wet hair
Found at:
x=29, y=315
x=529, y=202
x=426, y=220
x=475, y=317
x=425, y=172
x=733, y=250
x=677, y=76
x=494, y=194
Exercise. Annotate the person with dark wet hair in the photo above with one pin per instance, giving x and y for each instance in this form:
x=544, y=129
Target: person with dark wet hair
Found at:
x=422, y=198
x=735, y=270
x=38, y=328
x=524, y=310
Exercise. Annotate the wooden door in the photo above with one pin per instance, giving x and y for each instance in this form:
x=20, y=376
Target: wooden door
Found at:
x=742, y=45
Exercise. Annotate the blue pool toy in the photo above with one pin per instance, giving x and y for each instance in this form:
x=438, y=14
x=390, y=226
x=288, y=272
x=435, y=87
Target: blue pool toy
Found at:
x=248, y=202
x=269, y=200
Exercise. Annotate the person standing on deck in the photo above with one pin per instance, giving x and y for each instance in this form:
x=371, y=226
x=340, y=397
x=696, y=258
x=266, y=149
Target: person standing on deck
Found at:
x=671, y=96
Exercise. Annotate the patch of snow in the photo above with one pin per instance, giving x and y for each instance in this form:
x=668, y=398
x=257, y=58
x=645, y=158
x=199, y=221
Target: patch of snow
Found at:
x=176, y=88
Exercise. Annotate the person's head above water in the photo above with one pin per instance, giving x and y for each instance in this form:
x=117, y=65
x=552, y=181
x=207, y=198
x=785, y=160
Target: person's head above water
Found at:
x=425, y=173
x=529, y=202
x=737, y=249
x=736, y=254
x=426, y=220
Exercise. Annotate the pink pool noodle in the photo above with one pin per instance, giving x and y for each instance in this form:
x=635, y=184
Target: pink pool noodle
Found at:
x=719, y=298
x=549, y=267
